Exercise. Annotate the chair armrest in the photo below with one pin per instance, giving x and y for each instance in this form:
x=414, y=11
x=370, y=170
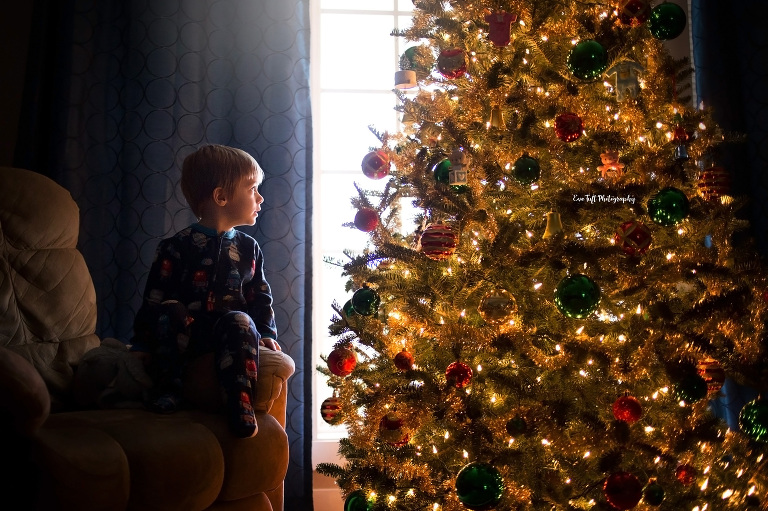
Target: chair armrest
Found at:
x=24, y=397
x=275, y=367
x=201, y=387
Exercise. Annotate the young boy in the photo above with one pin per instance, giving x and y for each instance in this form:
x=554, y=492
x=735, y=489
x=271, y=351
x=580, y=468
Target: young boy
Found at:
x=206, y=290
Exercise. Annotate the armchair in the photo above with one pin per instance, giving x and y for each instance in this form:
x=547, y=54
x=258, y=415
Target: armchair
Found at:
x=62, y=455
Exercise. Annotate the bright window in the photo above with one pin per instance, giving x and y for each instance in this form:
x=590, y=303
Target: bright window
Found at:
x=353, y=62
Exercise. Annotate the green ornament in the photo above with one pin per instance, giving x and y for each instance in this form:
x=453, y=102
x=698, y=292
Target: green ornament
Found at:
x=667, y=21
x=577, y=296
x=442, y=172
x=653, y=493
x=668, y=207
x=479, y=486
x=753, y=420
x=691, y=388
x=348, y=309
x=526, y=170
x=357, y=501
x=587, y=60
x=516, y=426
x=411, y=58
x=365, y=301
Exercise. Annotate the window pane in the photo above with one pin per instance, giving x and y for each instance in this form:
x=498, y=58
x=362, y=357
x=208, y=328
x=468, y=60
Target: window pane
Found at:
x=344, y=120
x=338, y=189
x=360, y=5
x=405, y=5
x=360, y=52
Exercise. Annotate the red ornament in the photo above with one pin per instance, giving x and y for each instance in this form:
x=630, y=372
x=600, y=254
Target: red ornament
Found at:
x=712, y=372
x=458, y=374
x=452, y=63
x=342, y=361
x=568, y=127
x=366, y=219
x=500, y=24
x=686, y=474
x=391, y=430
x=623, y=490
x=679, y=135
x=330, y=410
x=627, y=409
x=438, y=242
x=376, y=164
x=634, y=12
x=714, y=183
x=404, y=360
x=633, y=237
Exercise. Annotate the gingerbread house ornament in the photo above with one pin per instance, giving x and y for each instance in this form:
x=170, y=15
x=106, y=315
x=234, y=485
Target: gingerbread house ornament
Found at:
x=628, y=76
x=458, y=173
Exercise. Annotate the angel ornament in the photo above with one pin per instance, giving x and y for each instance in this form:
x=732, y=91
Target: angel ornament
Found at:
x=611, y=167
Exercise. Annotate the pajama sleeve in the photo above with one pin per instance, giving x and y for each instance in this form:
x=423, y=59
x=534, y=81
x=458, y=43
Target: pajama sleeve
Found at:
x=258, y=297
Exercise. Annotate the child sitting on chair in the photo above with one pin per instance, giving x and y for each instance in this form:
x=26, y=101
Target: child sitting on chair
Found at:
x=206, y=291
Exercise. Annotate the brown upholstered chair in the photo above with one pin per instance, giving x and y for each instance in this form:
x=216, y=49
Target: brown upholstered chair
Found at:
x=61, y=456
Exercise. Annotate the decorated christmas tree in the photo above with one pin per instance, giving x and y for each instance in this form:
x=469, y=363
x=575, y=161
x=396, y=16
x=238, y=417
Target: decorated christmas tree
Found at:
x=575, y=288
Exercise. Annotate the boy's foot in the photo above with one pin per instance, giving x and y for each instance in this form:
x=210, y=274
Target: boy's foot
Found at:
x=242, y=420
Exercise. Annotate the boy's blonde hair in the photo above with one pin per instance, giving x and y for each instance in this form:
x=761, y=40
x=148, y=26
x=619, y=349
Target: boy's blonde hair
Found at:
x=214, y=166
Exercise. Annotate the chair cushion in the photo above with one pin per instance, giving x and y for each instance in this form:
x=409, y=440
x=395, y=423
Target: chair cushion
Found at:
x=49, y=302
x=183, y=461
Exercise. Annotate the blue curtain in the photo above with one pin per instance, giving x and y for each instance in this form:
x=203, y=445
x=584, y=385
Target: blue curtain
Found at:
x=118, y=92
x=730, y=46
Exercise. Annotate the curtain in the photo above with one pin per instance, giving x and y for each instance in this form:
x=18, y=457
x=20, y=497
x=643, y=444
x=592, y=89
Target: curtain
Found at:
x=118, y=92
x=730, y=53
x=730, y=47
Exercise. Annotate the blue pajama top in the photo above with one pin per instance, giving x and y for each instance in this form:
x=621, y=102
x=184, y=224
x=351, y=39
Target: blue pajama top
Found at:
x=210, y=274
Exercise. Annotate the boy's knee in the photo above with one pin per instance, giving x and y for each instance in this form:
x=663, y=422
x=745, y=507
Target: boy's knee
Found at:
x=240, y=321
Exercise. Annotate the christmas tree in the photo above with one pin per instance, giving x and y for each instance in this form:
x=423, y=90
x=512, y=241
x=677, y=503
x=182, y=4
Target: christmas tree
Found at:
x=551, y=331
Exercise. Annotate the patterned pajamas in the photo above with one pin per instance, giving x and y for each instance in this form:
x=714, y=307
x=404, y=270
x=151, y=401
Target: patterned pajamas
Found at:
x=206, y=293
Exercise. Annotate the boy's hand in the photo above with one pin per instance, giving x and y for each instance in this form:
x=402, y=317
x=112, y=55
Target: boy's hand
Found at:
x=270, y=343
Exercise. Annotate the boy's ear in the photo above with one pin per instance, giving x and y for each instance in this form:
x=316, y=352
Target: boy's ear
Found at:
x=219, y=196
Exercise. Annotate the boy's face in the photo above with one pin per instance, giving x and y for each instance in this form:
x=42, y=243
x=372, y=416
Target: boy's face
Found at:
x=244, y=205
